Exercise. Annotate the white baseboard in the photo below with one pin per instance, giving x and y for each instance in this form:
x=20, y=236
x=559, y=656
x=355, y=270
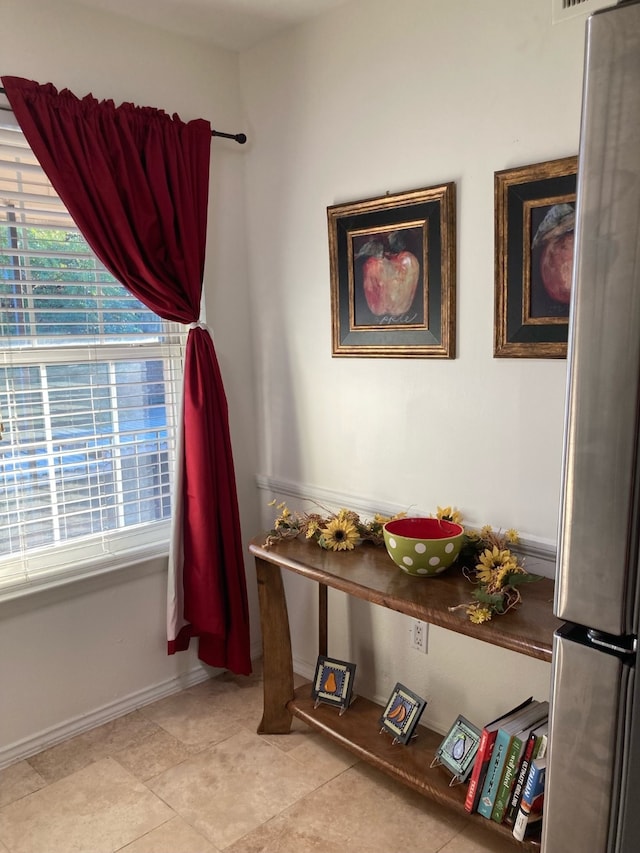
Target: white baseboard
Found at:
x=56, y=734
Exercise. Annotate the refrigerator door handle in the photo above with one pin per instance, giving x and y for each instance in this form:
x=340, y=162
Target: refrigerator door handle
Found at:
x=620, y=645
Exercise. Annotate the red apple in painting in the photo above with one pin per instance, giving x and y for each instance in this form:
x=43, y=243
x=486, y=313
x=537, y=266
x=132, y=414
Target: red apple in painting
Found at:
x=554, y=239
x=556, y=267
x=390, y=282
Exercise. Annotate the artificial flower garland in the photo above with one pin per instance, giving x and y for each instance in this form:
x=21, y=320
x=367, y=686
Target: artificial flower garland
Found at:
x=334, y=531
x=486, y=556
x=488, y=561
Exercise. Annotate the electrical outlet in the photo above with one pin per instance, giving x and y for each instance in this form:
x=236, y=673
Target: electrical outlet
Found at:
x=418, y=635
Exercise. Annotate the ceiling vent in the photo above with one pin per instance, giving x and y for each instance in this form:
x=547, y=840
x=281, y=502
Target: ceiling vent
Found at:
x=562, y=10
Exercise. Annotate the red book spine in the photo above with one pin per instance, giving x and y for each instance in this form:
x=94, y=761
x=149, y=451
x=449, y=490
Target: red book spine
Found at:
x=485, y=747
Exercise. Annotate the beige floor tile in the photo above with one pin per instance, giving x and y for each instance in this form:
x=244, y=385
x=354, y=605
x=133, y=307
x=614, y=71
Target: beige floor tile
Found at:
x=154, y=755
x=215, y=686
x=232, y=787
x=360, y=810
x=323, y=756
x=17, y=781
x=103, y=741
x=195, y=720
x=476, y=839
x=299, y=735
x=241, y=700
x=175, y=836
x=96, y=810
x=239, y=695
x=286, y=834
x=229, y=681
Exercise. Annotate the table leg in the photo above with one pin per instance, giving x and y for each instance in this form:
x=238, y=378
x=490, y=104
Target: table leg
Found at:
x=276, y=650
x=322, y=619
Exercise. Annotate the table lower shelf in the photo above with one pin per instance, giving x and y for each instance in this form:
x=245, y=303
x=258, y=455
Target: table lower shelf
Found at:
x=358, y=730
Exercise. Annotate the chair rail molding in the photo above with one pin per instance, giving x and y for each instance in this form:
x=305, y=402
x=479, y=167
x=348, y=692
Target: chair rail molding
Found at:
x=539, y=553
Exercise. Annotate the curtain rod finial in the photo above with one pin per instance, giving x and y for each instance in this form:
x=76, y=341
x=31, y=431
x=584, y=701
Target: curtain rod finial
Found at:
x=239, y=137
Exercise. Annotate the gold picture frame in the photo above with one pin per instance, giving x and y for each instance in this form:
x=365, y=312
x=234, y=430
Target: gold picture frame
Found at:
x=534, y=222
x=392, y=265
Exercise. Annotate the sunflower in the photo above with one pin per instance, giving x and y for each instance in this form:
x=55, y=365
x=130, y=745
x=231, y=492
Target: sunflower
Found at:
x=495, y=565
x=448, y=513
x=285, y=519
x=512, y=536
x=313, y=526
x=478, y=614
x=340, y=534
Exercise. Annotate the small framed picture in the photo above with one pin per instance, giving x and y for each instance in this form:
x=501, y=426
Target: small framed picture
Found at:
x=402, y=713
x=458, y=749
x=333, y=682
x=535, y=210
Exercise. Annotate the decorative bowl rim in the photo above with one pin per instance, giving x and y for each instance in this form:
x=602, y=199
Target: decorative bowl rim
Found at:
x=389, y=526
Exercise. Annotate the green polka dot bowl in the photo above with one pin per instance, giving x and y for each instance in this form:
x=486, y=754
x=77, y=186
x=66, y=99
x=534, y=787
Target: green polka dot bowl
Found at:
x=423, y=547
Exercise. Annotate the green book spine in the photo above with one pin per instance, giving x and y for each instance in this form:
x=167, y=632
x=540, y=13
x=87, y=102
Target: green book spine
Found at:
x=508, y=779
x=523, y=769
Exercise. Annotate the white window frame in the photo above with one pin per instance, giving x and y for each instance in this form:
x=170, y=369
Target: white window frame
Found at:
x=35, y=569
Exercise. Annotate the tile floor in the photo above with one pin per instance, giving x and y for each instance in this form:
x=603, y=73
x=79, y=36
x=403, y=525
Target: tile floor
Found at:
x=189, y=774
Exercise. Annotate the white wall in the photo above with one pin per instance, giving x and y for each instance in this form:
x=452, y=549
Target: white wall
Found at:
x=91, y=648
x=374, y=98
x=369, y=98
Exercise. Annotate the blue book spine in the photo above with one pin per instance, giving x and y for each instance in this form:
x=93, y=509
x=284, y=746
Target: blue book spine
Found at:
x=530, y=810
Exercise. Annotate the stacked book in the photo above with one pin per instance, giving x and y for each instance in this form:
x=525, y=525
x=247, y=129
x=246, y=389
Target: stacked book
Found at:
x=501, y=785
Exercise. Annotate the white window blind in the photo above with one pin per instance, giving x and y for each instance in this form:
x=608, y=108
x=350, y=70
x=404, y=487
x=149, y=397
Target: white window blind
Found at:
x=89, y=384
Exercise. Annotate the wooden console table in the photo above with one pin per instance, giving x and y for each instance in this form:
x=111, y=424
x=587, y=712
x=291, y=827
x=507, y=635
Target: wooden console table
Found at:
x=368, y=573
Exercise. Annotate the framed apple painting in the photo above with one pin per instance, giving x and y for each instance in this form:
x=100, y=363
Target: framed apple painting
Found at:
x=534, y=234
x=392, y=263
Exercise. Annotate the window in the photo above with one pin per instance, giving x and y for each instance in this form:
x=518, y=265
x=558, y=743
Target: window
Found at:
x=89, y=380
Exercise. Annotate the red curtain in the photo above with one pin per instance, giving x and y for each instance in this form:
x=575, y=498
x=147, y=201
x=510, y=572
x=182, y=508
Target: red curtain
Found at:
x=136, y=182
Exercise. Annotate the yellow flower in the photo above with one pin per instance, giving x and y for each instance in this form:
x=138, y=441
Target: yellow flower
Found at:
x=493, y=559
x=449, y=514
x=382, y=519
x=346, y=516
x=312, y=528
x=478, y=614
x=485, y=531
x=340, y=534
x=512, y=536
x=500, y=577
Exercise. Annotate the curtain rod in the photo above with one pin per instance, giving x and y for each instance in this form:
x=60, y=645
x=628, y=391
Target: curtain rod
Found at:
x=239, y=137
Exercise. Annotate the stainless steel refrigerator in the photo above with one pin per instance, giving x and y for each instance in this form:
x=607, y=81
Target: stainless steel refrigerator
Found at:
x=592, y=794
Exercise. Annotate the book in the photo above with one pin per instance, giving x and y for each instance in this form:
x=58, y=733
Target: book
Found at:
x=485, y=747
x=511, y=765
x=530, y=811
x=529, y=715
x=541, y=747
x=535, y=748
